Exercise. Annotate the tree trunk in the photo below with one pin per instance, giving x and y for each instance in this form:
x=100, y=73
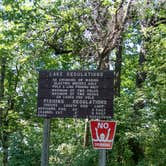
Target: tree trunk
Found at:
x=2, y=77
x=3, y=120
x=135, y=146
x=103, y=64
x=141, y=75
x=5, y=148
x=118, y=65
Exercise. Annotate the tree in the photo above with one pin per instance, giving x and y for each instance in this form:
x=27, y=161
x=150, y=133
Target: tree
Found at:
x=83, y=35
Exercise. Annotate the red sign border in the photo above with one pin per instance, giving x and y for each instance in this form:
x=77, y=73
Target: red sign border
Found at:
x=113, y=135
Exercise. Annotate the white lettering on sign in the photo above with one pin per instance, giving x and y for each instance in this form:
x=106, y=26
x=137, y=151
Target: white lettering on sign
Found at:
x=89, y=91
x=103, y=125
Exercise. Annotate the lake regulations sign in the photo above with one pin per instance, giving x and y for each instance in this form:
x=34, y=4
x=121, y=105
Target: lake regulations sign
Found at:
x=75, y=94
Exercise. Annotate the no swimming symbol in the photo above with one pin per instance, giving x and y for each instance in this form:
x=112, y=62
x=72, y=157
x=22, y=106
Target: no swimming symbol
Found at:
x=102, y=133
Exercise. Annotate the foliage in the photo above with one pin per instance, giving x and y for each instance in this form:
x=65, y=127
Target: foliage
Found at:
x=66, y=35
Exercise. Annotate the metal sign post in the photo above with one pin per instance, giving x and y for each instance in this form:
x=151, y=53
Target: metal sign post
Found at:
x=46, y=140
x=102, y=157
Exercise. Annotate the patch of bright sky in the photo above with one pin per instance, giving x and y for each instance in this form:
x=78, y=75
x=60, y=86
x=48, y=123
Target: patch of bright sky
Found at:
x=28, y=3
x=138, y=47
x=1, y=6
x=87, y=34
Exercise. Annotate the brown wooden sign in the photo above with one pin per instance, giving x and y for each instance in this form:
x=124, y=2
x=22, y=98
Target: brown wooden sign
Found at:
x=75, y=94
